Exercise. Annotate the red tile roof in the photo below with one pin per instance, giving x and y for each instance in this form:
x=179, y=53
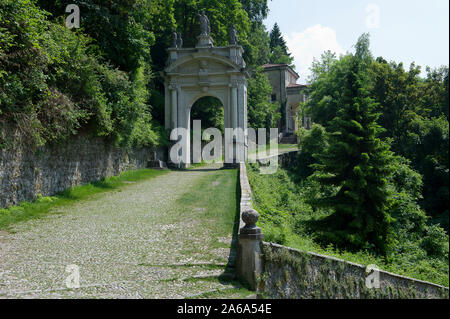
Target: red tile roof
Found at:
x=269, y=66
x=265, y=66
x=295, y=85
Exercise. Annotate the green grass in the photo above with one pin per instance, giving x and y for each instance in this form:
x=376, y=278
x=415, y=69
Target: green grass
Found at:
x=262, y=152
x=43, y=206
x=217, y=194
x=282, y=148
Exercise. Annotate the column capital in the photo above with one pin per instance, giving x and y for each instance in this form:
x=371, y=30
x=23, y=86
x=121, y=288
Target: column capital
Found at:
x=174, y=86
x=233, y=84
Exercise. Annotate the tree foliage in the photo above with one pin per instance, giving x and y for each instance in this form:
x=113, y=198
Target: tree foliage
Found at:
x=104, y=77
x=357, y=164
x=278, y=48
x=55, y=82
x=412, y=110
x=261, y=112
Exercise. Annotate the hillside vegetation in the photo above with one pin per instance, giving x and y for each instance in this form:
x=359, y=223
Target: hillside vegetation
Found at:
x=104, y=78
x=371, y=181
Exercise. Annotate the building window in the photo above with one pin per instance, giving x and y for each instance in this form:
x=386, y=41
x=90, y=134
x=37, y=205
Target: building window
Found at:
x=274, y=97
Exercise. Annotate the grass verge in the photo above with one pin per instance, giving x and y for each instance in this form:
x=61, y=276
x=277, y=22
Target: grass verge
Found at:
x=215, y=198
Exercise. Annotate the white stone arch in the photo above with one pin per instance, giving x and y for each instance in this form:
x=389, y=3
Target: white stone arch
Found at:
x=202, y=95
x=194, y=73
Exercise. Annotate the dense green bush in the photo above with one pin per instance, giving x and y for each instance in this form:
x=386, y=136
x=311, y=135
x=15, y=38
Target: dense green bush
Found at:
x=52, y=84
x=261, y=112
x=413, y=111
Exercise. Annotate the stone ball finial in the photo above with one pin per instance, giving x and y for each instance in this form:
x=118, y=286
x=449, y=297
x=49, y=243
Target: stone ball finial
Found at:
x=250, y=217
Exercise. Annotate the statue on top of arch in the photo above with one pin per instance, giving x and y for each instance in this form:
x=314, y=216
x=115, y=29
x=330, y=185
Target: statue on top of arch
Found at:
x=233, y=35
x=204, y=23
x=177, y=40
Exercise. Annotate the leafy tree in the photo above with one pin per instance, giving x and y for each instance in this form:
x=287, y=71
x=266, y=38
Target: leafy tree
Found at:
x=322, y=66
x=117, y=27
x=325, y=92
x=414, y=113
x=428, y=149
x=210, y=111
x=54, y=83
x=279, y=57
x=357, y=164
x=257, y=51
x=261, y=112
x=434, y=98
x=398, y=95
x=257, y=10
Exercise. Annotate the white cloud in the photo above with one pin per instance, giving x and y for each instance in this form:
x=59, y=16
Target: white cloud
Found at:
x=310, y=44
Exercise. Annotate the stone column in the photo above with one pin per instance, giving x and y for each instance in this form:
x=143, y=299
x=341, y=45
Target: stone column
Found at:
x=234, y=105
x=288, y=116
x=249, y=260
x=174, y=107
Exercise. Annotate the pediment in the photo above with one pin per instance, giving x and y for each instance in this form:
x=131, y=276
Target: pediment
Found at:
x=195, y=64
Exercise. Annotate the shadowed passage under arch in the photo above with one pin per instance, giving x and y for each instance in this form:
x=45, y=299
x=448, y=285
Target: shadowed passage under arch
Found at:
x=210, y=112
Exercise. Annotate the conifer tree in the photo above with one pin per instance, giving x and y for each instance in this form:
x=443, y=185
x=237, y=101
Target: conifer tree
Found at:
x=357, y=164
x=276, y=39
x=278, y=47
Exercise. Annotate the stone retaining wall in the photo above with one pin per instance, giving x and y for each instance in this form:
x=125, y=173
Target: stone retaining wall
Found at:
x=287, y=159
x=295, y=274
x=25, y=173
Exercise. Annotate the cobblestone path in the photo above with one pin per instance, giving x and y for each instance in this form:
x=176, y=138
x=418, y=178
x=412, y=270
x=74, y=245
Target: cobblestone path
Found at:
x=144, y=240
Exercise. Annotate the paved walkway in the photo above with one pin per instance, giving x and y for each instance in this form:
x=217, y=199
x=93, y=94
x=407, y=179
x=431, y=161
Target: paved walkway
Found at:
x=135, y=242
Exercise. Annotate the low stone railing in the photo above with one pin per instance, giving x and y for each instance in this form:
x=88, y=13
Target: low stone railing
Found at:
x=276, y=271
x=294, y=274
x=286, y=159
x=249, y=261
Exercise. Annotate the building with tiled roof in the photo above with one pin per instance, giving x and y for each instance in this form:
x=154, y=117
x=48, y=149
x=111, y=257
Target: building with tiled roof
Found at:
x=289, y=94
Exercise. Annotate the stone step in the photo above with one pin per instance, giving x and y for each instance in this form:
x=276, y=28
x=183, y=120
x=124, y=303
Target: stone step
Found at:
x=289, y=140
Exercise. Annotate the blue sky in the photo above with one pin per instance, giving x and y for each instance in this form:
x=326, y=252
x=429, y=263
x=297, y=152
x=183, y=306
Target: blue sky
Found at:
x=401, y=30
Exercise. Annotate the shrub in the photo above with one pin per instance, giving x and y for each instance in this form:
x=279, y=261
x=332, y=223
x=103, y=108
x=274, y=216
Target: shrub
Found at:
x=53, y=83
x=436, y=242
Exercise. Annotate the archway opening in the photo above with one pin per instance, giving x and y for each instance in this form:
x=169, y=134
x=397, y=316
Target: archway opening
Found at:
x=210, y=111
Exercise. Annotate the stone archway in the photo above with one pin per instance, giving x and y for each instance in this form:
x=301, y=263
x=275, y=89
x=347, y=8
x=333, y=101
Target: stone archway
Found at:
x=205, y=70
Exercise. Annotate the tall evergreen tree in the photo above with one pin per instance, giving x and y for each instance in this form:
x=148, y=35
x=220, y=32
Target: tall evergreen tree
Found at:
x=277, y=40
x=357, y=164
x=278, y=47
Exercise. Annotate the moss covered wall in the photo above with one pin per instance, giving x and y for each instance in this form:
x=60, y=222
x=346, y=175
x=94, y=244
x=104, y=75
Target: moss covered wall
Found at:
x=293, y=274
x=26, y=172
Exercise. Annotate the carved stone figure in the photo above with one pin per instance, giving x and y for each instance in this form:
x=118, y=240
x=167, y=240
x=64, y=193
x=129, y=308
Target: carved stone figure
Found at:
x=204, y=24
x=179, y=41
x=233, y=35
x=174, y=39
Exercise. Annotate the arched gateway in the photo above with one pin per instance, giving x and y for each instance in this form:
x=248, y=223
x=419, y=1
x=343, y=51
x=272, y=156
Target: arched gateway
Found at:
x=205, y=70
